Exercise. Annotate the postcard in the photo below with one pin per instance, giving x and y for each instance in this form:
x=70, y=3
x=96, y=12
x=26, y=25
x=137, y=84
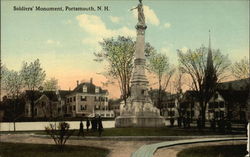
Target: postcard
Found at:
x=116, y=78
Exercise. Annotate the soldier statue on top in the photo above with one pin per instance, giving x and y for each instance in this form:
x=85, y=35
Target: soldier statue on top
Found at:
x=141, y=17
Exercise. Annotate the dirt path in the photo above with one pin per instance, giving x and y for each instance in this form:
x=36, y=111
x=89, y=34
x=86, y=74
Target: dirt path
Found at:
x=117, y=148
x=173, y=151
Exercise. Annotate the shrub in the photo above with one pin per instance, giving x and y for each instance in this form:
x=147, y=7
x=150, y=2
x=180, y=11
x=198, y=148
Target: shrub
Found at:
x=60, y=134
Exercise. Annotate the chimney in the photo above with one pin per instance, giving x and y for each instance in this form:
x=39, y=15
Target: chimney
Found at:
x=77, y=82
x=91, y=80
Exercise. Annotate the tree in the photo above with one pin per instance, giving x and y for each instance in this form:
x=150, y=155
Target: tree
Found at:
x=51, y=85
x=60, y=134
x=178, y=83
x=12, y=83
x=119, y=54
x=33, y=76
x=160, y=67
x=204, y=76
x=240, y=70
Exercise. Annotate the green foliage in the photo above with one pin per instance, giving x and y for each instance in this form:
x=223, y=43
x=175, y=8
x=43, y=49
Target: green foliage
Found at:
x=241, y=69
x=33, y=75
x=42, y=150
x=159, y=65
x=119, y=55
x=194, y=63
x=60, y=134
x=214, y=151
x=51, y=85
x=205, y=72
x=12, y=82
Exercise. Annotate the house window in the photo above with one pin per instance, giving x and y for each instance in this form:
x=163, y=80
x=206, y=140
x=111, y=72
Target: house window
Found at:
x=74, y=98
x=74, y=108
x=216, y=105
x=216, y=115
x=96, y=98
x=221, y=114
x=171, y=113
x=83, y=98
x=97, y=89
x=84, y=89
x=211, y=105
x=83, y=107
x=97, y=107
x=43, y=103
x=102, y=99
x=70, y=99
x=221, y=104
x=171, y=105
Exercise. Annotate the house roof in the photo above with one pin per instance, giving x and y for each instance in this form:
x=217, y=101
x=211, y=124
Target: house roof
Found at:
x=63, y=93
x=234, y=96
x=191, y=95
x=51, y=95
x=242, y=84
x=90, y=88
x=37, y=94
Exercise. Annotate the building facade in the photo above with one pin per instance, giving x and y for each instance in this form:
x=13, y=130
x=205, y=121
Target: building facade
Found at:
x=87, y=99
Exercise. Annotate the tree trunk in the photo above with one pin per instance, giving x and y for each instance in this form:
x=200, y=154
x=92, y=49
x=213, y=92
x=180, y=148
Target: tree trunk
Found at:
x=32, y=103
x=203, y=114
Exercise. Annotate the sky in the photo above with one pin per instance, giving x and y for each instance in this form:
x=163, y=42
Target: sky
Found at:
x=65, y=41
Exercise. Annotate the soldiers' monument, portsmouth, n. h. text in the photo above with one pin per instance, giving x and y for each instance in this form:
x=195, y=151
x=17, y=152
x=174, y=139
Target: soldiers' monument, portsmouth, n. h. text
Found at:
x=139, y=110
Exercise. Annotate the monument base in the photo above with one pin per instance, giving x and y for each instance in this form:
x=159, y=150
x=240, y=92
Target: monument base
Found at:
x=139, y=122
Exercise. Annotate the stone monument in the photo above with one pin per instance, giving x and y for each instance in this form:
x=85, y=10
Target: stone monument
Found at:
x=139, y=110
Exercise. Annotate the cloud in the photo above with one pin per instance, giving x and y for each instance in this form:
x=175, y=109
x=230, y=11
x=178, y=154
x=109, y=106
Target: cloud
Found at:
x=172, y=55
x=97, y=29
x=150, y=15
x=165, y=50
x=184, y=49
x=167, y=25
x=53, y=42
x=115, y=19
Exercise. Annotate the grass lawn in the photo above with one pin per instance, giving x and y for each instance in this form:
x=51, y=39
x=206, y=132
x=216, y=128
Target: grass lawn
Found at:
x=166, y=131
x=214, y=151
x=42, y=150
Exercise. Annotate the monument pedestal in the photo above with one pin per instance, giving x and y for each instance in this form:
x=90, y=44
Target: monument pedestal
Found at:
x=139, y=122
x=139, y=114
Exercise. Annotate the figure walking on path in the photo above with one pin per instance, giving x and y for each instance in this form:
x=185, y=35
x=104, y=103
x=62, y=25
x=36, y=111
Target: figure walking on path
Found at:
x=87, y=124
x=81, y=129
x=100, y=127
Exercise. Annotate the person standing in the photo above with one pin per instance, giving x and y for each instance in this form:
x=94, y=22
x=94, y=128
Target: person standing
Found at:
x=100, y=127
x=87, y=124
x=81, y=129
